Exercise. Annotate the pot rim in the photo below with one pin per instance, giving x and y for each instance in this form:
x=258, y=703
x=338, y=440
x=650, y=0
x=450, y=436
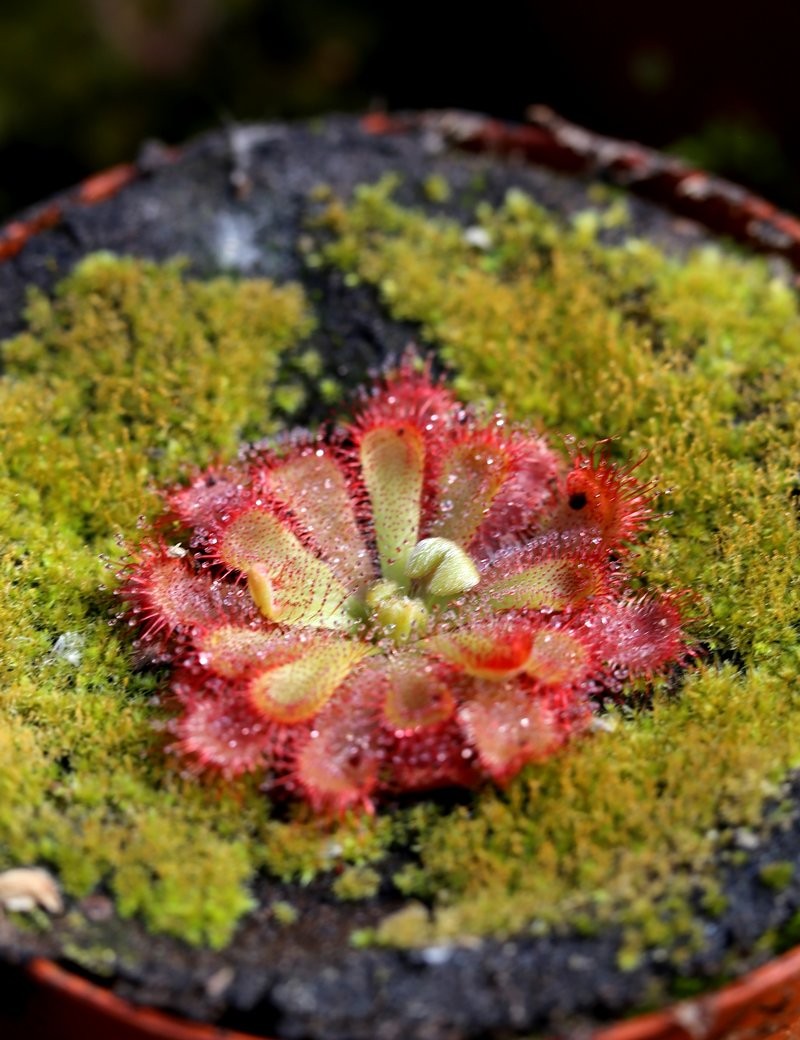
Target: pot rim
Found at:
x=545, y=138
x=760, y=999
x=146, y=1021
x=548, y=140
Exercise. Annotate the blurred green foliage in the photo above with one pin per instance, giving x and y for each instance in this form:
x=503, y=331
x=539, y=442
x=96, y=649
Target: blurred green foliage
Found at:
x=83, y=83
x=740, y=149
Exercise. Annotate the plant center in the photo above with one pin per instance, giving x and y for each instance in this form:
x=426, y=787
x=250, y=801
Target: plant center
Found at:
x=435, y=572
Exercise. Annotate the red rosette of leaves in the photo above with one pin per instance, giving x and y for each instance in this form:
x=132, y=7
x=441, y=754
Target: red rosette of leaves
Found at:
x=421, y=598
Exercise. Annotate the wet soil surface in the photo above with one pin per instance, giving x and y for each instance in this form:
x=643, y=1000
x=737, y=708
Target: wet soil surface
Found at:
x=236, y=202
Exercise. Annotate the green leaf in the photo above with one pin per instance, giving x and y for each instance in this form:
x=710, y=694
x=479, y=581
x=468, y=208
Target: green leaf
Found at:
x=393, y=462
x=288, y=583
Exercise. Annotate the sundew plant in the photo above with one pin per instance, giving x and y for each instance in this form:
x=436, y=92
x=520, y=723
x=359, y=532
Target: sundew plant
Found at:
x=419, y=598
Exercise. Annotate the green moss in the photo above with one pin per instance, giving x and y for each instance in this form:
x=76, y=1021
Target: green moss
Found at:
x=790, y=933
x=283, y=912
x=777, y=875
x=436, y=188
x=290, y=398
x=715, y=902
x=629, y=960
x=405, y=927
x=356, y=883
x=685, y=988
x=99, y=960
x=587, y=223
x=129, y=376
x=304, y=847
x=138, y=373
x=693, y=365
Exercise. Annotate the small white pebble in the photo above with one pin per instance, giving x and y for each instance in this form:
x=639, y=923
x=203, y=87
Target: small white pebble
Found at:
x=435, y=955
x=602, y=724
x=25, y=888
x=695, y=1018
x=219, y=982
x=234, y=242
x=746, y=839
x=478, y=237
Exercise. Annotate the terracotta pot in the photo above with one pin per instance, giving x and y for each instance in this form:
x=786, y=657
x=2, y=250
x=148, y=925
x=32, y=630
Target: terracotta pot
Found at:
x=55, y=1004
x=45, y=1000
x=58, y=1005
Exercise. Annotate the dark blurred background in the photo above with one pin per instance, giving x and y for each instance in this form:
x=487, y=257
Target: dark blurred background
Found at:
x=84, y=82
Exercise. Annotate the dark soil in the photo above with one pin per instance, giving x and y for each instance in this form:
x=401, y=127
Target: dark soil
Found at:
x=236, y=202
